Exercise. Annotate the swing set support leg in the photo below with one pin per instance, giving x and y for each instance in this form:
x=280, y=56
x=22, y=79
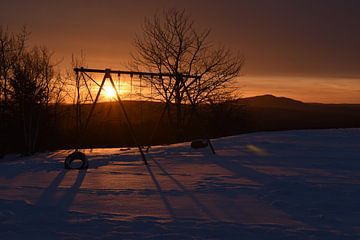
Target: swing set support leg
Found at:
x=108, y=76
x=211, y=146
x=181, y=79
x=132, y=132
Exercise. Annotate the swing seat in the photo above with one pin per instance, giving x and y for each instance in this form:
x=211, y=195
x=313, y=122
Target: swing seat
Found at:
x=76, y=156
x=199, y=143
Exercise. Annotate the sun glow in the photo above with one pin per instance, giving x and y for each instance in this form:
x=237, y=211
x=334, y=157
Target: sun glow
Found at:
x=109, y=92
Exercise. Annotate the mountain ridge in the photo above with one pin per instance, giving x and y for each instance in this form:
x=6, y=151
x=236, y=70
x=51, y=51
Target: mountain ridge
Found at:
x=272, y=101
x=269, y=100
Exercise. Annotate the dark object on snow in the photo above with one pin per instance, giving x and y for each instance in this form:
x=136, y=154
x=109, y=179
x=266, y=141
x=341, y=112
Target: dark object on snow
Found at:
x=76, y=156
x=199, y=143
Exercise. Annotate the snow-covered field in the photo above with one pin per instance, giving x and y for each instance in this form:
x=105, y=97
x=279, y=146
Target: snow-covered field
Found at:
x=275, y=185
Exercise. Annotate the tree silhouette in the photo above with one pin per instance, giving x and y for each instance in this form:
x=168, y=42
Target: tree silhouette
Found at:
x=11, y=48
x=29, y=84
x=171, y=43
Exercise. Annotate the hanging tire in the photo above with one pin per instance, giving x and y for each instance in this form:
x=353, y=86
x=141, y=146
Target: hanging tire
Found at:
x=76, y=156
x=199, y=143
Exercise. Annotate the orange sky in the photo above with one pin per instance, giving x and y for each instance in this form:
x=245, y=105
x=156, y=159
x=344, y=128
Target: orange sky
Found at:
x=306, y=89
x=305, y=49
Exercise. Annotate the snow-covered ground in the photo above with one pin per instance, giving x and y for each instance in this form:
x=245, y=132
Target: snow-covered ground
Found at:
x=274, y=185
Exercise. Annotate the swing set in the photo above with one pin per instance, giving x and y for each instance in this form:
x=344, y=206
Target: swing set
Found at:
x=82, y=74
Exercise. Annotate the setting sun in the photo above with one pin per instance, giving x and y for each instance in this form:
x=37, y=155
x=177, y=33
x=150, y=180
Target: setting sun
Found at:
x=109, y=92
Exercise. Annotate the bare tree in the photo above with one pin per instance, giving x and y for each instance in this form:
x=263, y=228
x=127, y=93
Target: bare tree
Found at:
x=11, y=47
x=171, y=43
x=32, y=84
x=30, y=87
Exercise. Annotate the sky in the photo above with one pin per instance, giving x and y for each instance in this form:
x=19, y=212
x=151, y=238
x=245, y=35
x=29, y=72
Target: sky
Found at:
x=304, y=49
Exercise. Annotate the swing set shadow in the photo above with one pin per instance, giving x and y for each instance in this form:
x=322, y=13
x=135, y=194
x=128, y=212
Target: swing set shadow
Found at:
x=64, y=203
x=83, y=73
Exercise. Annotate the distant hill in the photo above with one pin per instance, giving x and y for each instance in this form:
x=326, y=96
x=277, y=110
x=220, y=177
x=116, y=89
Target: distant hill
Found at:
x=259, y=113
x=269, y=112
x=271, y=101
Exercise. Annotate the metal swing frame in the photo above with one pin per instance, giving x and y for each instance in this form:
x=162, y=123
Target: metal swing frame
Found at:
x=81, y=72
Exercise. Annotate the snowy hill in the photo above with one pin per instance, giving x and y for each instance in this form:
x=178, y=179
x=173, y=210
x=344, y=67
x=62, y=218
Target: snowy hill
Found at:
x=270, y=185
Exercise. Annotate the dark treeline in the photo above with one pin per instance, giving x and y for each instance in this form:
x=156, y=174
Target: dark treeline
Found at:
x=30, y=92
x=108, y=127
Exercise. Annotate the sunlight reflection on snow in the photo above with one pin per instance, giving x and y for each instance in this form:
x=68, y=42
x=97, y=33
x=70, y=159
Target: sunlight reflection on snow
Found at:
x=257, y=150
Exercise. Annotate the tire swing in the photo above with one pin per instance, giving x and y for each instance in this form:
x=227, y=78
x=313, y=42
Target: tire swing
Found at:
x=76, y=155
x=199, y=143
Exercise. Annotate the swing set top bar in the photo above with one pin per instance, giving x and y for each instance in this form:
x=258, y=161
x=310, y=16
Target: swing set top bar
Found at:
x=90, y=70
